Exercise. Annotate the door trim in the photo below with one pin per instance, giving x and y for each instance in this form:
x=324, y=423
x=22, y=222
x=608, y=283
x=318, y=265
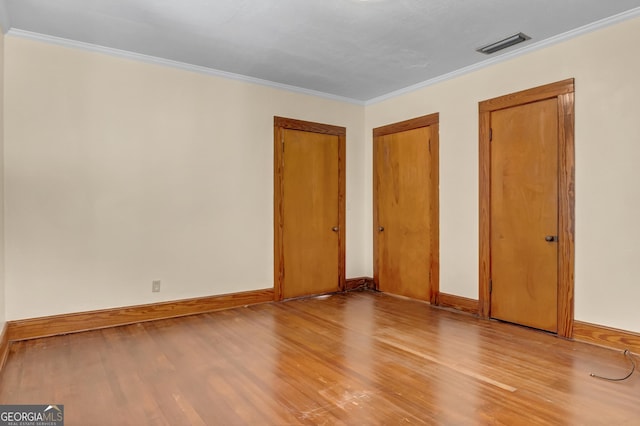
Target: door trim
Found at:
x=279, y=124
x=563, y=91
x=434, y=263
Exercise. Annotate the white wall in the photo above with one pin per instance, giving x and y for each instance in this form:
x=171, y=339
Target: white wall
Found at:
x=2, y=282
x=607, y=75
x=121, y=172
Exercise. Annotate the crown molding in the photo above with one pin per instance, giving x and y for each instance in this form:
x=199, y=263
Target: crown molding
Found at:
x=594, y=26
x=174, y=64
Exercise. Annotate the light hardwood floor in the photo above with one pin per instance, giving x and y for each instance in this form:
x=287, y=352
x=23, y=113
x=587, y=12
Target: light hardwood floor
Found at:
x=360, y=358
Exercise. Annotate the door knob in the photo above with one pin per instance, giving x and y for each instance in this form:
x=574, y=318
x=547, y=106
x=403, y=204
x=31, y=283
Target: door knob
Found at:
x=380, y=228
x=335, y=229
x=551, y=238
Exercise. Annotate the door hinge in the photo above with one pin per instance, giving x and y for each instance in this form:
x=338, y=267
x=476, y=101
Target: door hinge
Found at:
x=490, y=286
x=282, y=144
x=490, y=135
x=429, y=145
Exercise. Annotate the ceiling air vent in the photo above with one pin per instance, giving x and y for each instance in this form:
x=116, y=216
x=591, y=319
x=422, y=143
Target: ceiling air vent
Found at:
x=503, y=44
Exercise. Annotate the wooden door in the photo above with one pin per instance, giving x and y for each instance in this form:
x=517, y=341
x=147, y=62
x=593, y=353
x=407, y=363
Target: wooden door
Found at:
x=309, y=208
x=524, y=214
x=406, y=208
x=526, y=157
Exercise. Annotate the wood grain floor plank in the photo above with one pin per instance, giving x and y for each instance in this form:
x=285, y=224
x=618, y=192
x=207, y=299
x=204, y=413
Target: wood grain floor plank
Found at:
x=355, y=358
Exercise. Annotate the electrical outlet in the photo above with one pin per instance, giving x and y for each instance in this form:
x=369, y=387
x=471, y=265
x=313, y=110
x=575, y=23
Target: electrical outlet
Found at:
x=155, y=286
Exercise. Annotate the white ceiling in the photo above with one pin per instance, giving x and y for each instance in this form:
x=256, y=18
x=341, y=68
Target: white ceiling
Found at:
x=348, y=48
